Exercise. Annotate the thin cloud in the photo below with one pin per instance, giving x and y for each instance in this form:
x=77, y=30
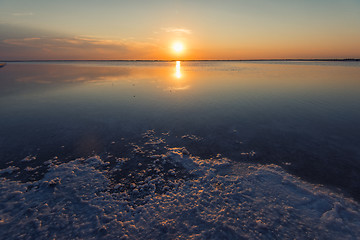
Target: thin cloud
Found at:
x=73, y=42
x=21, y=14
x=76, y=47
x=177, y=30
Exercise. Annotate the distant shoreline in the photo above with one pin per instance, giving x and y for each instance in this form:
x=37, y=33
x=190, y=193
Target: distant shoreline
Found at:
x=199, y=60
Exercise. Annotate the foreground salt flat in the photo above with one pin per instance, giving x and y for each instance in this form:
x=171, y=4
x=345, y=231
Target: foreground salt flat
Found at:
x=165, y=192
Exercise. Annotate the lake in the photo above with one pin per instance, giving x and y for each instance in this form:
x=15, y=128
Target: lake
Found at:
x=302, y=117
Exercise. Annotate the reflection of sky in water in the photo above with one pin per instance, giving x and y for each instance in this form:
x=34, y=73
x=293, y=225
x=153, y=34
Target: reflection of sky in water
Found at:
x=198, y=94
x=205, y=92
x=305, y=114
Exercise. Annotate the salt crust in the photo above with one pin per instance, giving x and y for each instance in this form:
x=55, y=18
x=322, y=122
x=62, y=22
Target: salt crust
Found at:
x=223, y=200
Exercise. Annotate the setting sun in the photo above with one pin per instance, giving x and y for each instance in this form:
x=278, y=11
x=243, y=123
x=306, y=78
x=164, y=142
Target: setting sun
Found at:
x=178, y=47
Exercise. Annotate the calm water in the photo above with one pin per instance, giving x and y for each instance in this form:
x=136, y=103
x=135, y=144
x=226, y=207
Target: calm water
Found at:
x=303, y=116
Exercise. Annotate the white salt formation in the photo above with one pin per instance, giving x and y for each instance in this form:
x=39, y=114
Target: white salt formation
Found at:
x=172, y=195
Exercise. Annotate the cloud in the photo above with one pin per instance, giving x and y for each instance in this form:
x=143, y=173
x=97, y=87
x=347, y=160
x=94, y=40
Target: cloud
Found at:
x=177, y=30
x=64, y=42
x=24, y=43
x=75, y=48
x=21, y=14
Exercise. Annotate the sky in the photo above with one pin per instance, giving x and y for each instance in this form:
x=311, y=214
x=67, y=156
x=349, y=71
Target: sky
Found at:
x=207, y=29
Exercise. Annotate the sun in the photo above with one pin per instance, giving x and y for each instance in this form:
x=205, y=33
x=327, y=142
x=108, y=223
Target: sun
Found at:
x=178, y=47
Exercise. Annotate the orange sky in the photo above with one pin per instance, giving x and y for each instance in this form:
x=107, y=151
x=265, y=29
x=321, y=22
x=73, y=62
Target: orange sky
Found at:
x=210, y=29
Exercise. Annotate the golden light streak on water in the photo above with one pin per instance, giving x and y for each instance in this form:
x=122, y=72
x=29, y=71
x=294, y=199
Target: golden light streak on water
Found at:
x=178, y=70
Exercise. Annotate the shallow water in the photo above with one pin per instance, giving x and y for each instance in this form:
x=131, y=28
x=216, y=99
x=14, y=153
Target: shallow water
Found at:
x=180, y=150
x=303, y=116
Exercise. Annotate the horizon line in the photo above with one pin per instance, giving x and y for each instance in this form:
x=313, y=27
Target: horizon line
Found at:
x=183, y=60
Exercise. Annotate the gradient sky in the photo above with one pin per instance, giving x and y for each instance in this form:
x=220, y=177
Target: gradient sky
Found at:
x=209, y=29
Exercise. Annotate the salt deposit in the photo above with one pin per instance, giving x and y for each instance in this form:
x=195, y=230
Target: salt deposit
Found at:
x=171, y=194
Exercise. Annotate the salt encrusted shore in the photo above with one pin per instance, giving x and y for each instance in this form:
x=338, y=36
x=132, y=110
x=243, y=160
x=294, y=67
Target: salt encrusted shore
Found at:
x=172, y=195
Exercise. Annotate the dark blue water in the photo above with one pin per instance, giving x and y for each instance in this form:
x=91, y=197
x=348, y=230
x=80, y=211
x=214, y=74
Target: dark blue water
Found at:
x=303, y=116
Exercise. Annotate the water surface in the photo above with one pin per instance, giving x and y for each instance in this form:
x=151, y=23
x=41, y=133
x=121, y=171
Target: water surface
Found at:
x=303, y=116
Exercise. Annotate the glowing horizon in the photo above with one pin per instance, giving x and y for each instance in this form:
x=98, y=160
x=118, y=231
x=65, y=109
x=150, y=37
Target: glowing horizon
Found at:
x=211, y=30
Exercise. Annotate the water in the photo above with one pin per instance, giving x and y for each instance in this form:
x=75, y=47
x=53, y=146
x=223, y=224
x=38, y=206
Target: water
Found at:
x=180, y=150
x=303, y=116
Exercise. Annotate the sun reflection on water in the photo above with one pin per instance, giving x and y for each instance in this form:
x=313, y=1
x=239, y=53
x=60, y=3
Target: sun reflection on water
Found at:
x=178, y=70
